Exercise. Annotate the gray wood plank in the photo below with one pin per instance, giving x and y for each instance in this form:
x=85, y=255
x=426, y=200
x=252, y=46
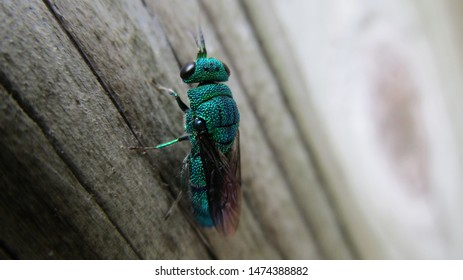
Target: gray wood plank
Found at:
x=58, y=86
x=45, y=211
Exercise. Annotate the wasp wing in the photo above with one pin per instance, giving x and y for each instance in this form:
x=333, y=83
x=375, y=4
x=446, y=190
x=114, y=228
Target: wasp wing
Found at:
x=223, y=183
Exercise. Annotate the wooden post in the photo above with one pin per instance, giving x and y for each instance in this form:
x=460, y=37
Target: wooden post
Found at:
x=76, y=92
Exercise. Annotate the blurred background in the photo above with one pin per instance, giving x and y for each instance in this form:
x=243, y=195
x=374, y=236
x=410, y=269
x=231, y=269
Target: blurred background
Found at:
x=350, y=128
x=384, y=78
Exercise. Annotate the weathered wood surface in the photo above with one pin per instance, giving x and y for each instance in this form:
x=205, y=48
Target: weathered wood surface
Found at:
x=347, y=148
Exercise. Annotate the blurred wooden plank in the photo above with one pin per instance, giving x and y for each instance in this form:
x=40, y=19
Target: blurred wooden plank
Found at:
x=268, y=90
x=280, y=51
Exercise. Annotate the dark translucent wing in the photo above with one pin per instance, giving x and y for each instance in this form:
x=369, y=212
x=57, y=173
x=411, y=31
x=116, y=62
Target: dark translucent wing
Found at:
x=235, y=157
x=223, y=184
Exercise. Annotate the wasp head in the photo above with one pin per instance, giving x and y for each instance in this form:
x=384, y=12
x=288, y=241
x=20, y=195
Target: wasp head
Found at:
x=204, y=69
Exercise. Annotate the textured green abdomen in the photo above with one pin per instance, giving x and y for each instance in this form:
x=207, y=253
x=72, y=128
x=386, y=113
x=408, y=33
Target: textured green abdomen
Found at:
x=214, y=104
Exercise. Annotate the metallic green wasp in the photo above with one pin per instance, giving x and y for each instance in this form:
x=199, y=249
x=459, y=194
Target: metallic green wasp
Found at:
x=212, y=169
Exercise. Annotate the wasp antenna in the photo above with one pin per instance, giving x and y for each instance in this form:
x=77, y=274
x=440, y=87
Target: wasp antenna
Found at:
x=193, y=35
x=202, y=43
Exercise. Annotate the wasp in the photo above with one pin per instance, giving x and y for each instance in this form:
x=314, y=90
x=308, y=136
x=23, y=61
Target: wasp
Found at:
x=212, y=169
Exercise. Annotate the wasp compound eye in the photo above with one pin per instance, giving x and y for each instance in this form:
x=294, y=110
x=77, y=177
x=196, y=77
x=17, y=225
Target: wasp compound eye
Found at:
x=187, y=70
x=226, y=68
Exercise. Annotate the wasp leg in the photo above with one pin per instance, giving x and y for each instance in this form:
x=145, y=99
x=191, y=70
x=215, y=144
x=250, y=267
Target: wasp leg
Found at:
x=181, y=138
x=180, y=103
x=184, y=185
x=163, y=145
x=185, y=175
x=174, y=204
